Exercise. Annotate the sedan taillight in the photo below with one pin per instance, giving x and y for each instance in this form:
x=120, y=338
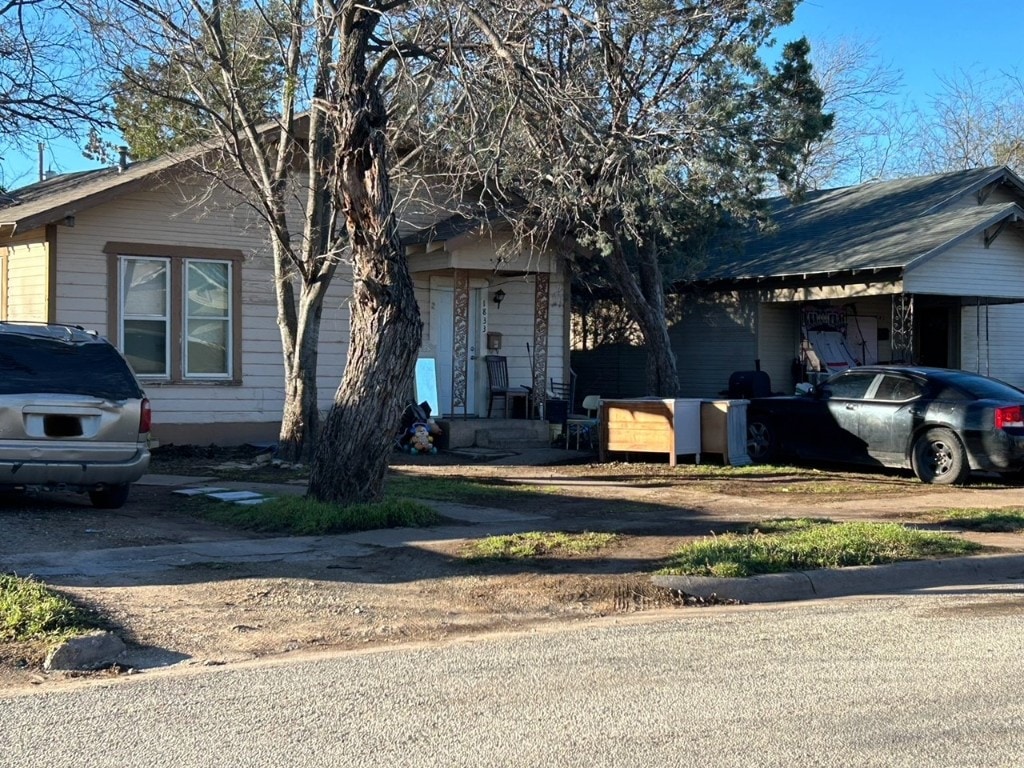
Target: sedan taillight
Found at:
x=1009, y=416
x=146, y=417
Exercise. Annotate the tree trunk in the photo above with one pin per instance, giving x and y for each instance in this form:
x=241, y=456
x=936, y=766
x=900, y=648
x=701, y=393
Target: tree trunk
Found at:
x=358, y=434
x=644, y=296
x=300, y=421
x=300, y=326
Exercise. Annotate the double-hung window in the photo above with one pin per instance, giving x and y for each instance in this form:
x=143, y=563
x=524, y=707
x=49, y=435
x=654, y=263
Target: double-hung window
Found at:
x=178, y=314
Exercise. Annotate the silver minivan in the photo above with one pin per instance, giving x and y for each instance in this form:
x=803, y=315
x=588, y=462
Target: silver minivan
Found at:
x=72, y=414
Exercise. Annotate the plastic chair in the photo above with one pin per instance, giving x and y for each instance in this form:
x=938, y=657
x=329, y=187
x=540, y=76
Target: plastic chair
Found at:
x=497, y=385
x=580, y=425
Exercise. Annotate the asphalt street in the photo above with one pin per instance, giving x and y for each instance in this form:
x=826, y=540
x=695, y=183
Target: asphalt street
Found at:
x=922, y=680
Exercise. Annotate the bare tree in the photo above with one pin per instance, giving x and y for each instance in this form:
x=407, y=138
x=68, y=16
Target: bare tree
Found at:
x=871, y=129
x=630, y=129
x=47, y=82
x=976, y=119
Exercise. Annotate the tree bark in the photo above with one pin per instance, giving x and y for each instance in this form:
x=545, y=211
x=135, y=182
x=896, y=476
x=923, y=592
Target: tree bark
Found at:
x=358, y=434
x=300, y=420
x=644, y=296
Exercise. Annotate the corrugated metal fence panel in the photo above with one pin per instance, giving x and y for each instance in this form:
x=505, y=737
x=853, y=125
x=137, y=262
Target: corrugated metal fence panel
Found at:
x=612, y=371
x=713, y=337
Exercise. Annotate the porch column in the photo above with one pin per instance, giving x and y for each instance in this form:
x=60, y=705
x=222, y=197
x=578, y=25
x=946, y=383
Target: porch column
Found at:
x=460, y=341
x=541, y=313
x=901, y=337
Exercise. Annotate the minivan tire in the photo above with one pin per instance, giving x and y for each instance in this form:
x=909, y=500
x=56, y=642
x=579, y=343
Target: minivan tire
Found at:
x=109, y=497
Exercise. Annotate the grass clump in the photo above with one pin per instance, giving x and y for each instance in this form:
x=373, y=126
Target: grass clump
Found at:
x=521, y=546
x=294, y=515
x=456, y=489
x=31, y=611
x=984, y=520
x=805, y=544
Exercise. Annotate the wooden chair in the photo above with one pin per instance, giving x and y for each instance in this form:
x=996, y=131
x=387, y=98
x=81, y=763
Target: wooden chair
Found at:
x=497, y=385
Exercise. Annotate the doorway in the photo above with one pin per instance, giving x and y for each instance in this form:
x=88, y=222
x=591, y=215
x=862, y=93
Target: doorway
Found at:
x=933, y=336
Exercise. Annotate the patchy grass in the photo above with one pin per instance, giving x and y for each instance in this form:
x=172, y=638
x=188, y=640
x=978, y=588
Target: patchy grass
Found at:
x=293, y=515
x=833, y=487
x=31, y=611
x=805, y=544
x=975, y=519
x=522, y=546
x=457, y=489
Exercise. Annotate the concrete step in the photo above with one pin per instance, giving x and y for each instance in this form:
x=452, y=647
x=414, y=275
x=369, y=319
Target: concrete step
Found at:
x=511, y=434
x=511, y=438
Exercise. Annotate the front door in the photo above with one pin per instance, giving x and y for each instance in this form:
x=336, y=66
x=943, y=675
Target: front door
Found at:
x=442, y=332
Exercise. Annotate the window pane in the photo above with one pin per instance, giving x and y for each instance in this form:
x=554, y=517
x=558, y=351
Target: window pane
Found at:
x=207, y=289
x=207, y=347
x=145, y=288
x=849, y=385
x=145, y=346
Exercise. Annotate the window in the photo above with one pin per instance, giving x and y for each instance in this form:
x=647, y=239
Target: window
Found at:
x=145, y=315
x=207, y=318
x=177, y=311
x=849, y=386
x=897, y=388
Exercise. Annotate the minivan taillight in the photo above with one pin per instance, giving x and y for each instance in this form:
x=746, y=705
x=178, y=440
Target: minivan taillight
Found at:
x=1009, y=416
x=146, y=417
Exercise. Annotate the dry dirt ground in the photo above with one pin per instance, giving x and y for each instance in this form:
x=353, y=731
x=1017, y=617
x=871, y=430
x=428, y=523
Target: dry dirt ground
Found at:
x=218, y=613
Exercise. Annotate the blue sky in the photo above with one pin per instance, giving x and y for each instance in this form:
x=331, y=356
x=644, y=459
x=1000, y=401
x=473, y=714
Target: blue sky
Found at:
x=922, y=39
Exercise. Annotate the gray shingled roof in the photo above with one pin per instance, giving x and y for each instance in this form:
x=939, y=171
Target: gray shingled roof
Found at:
x=892, y=224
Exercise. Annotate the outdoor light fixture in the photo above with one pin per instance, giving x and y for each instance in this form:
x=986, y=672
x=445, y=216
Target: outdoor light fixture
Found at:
x=499, y=296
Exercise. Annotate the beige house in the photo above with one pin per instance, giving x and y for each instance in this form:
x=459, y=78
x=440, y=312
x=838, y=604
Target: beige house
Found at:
x=179, y=276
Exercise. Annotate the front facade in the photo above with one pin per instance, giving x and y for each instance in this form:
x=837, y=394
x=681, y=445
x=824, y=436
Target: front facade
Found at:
x=928, y=270
x=180, y=277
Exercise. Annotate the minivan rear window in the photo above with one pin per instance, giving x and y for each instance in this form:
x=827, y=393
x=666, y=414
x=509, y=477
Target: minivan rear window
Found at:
x=41, y=365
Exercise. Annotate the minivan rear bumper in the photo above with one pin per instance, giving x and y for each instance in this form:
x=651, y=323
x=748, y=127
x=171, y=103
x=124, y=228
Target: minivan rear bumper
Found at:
x=81, y=475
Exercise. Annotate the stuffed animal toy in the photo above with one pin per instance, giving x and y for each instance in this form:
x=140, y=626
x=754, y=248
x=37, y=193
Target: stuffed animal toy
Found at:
x=420, y=439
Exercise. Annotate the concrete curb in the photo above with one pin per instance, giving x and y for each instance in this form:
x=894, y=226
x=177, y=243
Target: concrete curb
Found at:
x=861, y=580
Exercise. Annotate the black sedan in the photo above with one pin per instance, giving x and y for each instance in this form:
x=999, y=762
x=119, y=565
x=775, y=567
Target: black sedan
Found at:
x=941, y=423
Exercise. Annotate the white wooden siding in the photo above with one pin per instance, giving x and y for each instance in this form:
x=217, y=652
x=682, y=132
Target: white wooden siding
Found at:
x=778, y=343
x=164, y=217
x=168, y=216
x=971, y=269
x=991, y=342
